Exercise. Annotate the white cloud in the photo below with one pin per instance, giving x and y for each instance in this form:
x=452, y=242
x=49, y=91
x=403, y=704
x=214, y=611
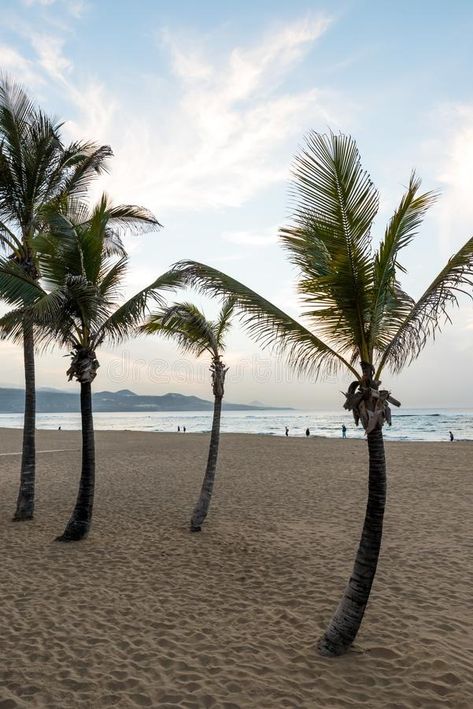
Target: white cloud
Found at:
x=97, y=111
x=232, y=121
x=224, y=137
x=43, y=3
x=187, y=62
x=50, y=54
x=16, y=65
x=244, y=70
x=249, y=69
x=224, y=133
x=454, y=146
x=75, y=7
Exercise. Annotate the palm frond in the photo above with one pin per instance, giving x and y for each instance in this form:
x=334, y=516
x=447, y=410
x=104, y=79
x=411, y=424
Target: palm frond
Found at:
x=427, y=315
x=126, y=319
x=113, y=243
x=390, y=305
x=9, y=240
x=59, y=257
x=41, y=147
x=14, y=100
x=84, y=275
x=186, y=325
x=16, y=287
x=84, y=302
x=72, y=212
x=112, y=276
x=330, y=241
x=52, y=319
x=45, y=311
x=80, y=163
x=224, y=321
x=267, y=324
x=131, y=218
x=36, y=169
x=94, y=233
x=17, y=113
x=11, y=325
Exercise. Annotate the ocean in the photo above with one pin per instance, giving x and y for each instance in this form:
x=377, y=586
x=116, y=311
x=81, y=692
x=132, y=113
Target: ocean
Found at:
x=408, y=424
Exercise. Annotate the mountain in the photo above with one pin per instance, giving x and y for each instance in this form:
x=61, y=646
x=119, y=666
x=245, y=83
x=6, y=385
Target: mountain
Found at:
x=51, y=401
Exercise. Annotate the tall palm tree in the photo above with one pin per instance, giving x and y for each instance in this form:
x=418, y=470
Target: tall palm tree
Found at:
x=77, y=306
x=187, y=325
x=36, y=169
x=354, y=312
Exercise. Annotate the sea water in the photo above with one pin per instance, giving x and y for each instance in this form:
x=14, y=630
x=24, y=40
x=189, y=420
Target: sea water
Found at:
x=408, y=424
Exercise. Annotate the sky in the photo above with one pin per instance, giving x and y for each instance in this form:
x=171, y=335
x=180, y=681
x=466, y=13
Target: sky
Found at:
x=205, y=105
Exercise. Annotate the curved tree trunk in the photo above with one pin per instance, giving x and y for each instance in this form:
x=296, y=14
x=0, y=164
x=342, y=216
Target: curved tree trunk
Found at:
x=202, y=507
x=25, y=501
x=79, y=524
x=347, y=619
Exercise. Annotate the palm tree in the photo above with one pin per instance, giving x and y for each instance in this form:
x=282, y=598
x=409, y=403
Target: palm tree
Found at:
x=36, y=169
x=186, y=324
x=78, y=308
x=354, y=311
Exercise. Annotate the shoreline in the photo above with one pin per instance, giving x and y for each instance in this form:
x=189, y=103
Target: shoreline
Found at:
x=387, y=440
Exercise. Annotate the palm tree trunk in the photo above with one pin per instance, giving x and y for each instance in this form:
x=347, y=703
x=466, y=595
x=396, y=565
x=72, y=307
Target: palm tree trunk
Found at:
x=25, y=500
x=79, y=524
x=202, y=507
x=347, y=618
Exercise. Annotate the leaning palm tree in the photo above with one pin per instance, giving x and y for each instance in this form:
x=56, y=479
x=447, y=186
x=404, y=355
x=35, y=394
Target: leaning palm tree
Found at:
x=36, y=169
x=355, y=313
x=77, y=307
x=188, y=326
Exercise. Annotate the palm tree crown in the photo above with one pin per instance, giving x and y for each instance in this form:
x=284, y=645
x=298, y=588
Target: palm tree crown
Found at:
x=187, y=325
x=37, y=169
x=354, y=307
x=77, y=303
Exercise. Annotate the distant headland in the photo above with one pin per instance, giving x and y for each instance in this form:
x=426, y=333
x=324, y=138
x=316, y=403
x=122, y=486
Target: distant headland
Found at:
x=55, y=401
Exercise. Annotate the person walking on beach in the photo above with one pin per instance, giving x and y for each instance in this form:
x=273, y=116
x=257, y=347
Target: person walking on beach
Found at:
x=307, y=432
x=178, y=429
x=452, y=437
x=184, y=429
x=287, y=431
x=344, y=431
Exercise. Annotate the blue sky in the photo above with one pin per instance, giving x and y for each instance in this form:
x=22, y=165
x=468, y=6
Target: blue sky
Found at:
x=206, y=103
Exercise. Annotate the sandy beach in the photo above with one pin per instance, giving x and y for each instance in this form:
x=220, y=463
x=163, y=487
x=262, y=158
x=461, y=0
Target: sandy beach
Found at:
x=144, y=614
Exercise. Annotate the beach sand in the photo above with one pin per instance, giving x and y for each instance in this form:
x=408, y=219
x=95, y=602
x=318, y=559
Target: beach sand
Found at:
x=144, y=614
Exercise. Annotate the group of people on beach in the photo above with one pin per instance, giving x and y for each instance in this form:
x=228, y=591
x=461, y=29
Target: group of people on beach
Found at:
x=183, y=429
x=344, y=432
x=307, y=431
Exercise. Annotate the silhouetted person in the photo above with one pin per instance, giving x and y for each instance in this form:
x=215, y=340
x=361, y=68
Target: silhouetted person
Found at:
x=287, y=431
x=59, y=428
x=344, y=431
x=178, y=429
x=184, y=429
x=452, y=437
x=307, y=432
